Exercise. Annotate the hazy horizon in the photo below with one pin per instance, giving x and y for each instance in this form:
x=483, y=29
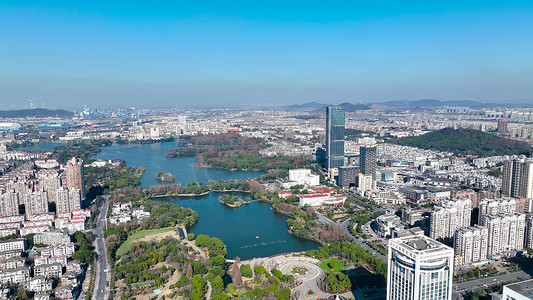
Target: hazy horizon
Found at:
x=192, y=55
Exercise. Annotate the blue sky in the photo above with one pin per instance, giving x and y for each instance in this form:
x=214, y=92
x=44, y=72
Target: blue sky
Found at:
x=202, y=53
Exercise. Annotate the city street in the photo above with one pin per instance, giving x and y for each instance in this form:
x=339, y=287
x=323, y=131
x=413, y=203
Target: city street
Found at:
x=361, y=242
x=100, y=290
x=482, y=283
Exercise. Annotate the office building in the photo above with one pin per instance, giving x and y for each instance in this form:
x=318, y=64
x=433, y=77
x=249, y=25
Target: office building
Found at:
x=75, y=180
x=448, y=216
x=470, y=244
x=335, y=122
x=368, y=161
x=419, y=268
x=506, y=232
x=347, y=176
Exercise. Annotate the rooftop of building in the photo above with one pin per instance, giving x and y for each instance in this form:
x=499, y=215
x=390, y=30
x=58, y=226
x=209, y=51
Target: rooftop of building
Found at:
x=420, y=243
x=523, y=288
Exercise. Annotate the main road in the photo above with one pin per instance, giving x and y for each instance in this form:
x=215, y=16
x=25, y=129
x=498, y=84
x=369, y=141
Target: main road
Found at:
x=100, y=289
x=473, y=285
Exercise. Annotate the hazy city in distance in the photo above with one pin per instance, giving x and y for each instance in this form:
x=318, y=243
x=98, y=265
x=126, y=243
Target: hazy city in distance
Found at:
x=266, y=150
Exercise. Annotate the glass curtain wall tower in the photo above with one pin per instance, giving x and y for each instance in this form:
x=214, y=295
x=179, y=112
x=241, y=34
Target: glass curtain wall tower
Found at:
x=335, y=125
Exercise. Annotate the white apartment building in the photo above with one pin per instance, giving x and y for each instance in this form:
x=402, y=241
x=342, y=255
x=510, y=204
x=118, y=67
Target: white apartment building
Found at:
x=448, y=216
x=505, y=232
x=470, y=244
x=419, y=268
x=18, y=275
x=17, y=244
x=497, y=205
x=52, y=238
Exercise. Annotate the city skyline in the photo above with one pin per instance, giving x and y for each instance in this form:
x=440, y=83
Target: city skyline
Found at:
x=171, y=55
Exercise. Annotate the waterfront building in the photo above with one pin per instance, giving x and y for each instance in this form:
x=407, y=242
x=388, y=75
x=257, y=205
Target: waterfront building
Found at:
x=419, y=268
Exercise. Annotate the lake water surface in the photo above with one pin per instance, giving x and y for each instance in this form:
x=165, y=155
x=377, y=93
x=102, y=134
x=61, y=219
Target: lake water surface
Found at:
x=249, y=231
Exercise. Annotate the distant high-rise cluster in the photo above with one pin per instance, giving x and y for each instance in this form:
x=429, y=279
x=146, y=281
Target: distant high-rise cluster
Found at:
x=335, y=127
x=27, y=198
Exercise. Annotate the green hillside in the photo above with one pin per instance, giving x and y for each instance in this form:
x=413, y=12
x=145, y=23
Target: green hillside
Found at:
x=465, y=142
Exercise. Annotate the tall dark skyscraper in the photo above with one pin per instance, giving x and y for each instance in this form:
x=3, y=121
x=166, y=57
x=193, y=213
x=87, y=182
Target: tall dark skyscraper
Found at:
x=368, y=161
x=335, y=121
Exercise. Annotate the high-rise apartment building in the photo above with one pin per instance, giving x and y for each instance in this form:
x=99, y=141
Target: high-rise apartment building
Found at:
x=470, y=244
x=448, y=216
x=335, y=126
x=9, y=204
x=75, y=180
x=502, y=126
x=506, y=232
x=518, y=178
x=35, y=203
x=68, y=200
x=368, y=161
x=419, y=268
x=495, y=206
x=528, y=236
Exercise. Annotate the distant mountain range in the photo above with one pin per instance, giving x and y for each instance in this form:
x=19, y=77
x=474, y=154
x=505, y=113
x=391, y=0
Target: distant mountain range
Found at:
x=319, y=107
x=35, y=112
x=403, y=104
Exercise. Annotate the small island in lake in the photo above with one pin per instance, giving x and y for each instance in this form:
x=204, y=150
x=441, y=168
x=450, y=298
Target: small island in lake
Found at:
x=166, y=177
x=231, y=201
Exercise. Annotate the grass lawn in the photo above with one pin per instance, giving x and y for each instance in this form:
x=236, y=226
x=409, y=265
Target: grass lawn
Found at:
x=125, y=247
x=331, y=263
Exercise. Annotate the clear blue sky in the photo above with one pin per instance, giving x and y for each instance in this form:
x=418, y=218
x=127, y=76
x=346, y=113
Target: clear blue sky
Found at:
x=194, y=53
